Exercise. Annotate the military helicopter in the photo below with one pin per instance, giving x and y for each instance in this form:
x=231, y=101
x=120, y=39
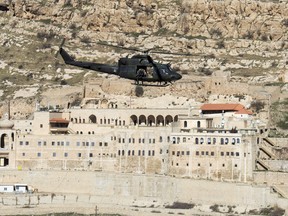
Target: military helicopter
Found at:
x=140, y=67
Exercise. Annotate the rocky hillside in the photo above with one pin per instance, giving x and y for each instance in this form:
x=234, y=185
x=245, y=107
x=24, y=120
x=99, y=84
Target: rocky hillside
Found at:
x=245, y=38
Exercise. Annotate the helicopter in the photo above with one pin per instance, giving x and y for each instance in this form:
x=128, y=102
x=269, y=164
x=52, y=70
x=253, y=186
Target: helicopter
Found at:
x=140, y=67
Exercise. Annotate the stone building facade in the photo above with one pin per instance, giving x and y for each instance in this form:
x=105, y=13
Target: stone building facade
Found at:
x=176, y=142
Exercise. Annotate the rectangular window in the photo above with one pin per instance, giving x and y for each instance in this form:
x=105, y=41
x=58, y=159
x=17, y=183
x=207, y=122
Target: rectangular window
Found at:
x=237, y=154
x=62, y=143
x=153, y=152
x=44, y=143
x=173, y=152
x=41, y=125
x=92, y=143
x=90, y=155
x=78, y=143
x=26, y=143
x=202, y=152
x=187, y=153
x=39, y=154
x=207, y=153
x=212, y=153
x=39, y=143
x=227, y=153
x=119, y=140
x=222, y=153
x=58, y=143
x=79, y=154
x=105, y=144
x=54, y=154
x=182, y=153
x=67, y=143
x=87, y=143
x=52, y=143
x=23, y=154
x=197, y=152
x=21, y=142
x=232, y=153
x=65, y=154
x=100, y=143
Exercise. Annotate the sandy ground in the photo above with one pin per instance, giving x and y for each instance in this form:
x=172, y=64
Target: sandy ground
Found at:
x=101, y=209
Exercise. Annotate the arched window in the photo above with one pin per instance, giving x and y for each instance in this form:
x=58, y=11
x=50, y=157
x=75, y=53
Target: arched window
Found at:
x=129, y=152
x=184, y=139
x=208, y=140
x=214, y=141
x=226, y=141
x=123, y=152
x=201, y=140
x=75, y=120
x=4, y=140
x=198, y=124
x=178, y=140
x=83, y=120
x=222, y=141
x=196, y=140
x=160, y=139
x=101, y=121
x=185, y=124
x=238, y=140
x=233, y=141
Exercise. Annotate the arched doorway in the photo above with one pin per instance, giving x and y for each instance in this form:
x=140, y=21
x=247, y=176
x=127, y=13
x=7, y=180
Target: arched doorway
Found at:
x=168, y=120
x=142, y=120
x=133, y=119
x=160, y=120
x=151, y=120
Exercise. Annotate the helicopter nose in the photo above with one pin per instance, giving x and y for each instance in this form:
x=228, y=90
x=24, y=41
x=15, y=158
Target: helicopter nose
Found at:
x=176, y=76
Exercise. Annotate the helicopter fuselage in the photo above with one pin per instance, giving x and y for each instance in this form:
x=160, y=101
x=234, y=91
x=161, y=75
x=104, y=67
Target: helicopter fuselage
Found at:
x=139, y=68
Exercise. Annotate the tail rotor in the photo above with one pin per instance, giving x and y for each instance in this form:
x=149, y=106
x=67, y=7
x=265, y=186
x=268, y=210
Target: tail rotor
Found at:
x=61, y=45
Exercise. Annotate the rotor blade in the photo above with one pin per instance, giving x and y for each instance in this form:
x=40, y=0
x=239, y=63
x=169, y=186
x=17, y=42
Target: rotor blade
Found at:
x=172, y=53
x=61, y=45
x=115, y=46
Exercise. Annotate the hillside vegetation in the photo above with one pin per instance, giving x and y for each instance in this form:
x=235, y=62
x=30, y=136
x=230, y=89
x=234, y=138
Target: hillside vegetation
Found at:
x=248, y=39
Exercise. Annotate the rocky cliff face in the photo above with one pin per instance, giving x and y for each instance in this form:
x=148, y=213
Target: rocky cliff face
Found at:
x=247, y=39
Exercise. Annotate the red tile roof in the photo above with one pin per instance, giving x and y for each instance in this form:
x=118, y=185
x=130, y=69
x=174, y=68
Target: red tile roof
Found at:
x=244, y=111
x=238, y=108
x=235, y=107
x=58, y=120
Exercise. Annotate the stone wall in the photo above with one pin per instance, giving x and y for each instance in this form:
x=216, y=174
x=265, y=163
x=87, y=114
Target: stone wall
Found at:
x=124, y=188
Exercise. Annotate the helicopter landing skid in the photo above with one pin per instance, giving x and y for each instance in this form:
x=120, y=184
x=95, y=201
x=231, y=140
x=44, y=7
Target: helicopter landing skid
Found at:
x=152, y=85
